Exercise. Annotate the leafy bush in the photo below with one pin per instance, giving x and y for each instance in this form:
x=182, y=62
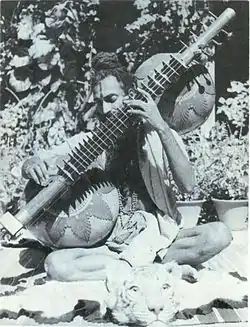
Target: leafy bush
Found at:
x=42, y=68
x=221, y=160
x=232, y=144
x=159, y=28
x=236, y=107
x=45, y=49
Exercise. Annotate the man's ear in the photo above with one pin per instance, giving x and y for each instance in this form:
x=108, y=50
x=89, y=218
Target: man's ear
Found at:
x=116, y=272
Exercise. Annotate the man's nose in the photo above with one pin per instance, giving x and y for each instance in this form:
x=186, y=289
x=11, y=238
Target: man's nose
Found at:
x=106, y=107
x=156, y=308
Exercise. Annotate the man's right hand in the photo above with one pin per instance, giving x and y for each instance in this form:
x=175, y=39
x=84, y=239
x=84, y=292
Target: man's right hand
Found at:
x=36, y=169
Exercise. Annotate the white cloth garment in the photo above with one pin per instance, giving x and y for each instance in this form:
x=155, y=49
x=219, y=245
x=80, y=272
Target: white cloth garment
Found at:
x=165, y=225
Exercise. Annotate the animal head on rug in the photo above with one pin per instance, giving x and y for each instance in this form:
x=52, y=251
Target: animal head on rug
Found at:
x=142, y=296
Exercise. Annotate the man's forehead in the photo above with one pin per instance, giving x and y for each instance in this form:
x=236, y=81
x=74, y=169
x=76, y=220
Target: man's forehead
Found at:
x=107, y=85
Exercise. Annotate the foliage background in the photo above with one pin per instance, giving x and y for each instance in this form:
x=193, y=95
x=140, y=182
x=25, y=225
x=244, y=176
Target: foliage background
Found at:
x=46, y=52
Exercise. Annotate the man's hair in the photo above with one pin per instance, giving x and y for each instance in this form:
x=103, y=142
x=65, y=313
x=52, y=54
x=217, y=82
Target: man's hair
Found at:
x=106, y=64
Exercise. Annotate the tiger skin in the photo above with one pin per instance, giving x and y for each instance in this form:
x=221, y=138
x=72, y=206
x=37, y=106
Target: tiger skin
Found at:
x=145, y=296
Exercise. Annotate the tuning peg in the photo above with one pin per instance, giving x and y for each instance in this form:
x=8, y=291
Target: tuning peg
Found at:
x=228, y=34
x=196, y=36
x=212, y=14
x=184, y=46
x=217, y=43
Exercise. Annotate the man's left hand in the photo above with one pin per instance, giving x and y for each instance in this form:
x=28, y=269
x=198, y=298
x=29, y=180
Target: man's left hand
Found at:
x=147, y=109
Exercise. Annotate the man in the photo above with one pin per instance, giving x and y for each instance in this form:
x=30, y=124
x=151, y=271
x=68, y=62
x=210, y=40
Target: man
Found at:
x=142, y=177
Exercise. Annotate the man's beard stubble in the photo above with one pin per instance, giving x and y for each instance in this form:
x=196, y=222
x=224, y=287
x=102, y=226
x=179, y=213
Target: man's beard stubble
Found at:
x=123, y=151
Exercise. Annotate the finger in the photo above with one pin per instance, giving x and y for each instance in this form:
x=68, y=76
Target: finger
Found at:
x=33, y=175
x=135, y=103
x=39, y=173
x=147, y=94
x=138, y=112
x=44, y=169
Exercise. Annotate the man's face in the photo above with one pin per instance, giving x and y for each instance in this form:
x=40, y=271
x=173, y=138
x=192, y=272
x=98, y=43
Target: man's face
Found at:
x=108, y=96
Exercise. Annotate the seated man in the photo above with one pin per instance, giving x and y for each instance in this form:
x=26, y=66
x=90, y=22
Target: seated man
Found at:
x=140, y=171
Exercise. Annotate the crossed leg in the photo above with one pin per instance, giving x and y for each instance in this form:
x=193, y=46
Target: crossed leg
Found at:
x=192, y=246
x=79, y=264
x=196, y=245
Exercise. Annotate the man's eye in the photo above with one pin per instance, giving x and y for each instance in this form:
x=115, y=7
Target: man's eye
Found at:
x=166, y=286
x=112, y=98
x=134, y=288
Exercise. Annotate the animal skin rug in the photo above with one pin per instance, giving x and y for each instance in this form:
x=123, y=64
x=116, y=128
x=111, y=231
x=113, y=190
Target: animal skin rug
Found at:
x=56, y=301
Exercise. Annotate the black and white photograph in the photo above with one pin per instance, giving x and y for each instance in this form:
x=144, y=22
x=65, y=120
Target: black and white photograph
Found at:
x=124, y=160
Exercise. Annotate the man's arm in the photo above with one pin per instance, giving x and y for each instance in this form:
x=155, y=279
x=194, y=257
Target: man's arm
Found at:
x=44, y=164
x=180, y=166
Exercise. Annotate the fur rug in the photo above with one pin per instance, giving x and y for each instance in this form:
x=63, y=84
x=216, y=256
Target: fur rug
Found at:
x=27, y=298
x=53, y=301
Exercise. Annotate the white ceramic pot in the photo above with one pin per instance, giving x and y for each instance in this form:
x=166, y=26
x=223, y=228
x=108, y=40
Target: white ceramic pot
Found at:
x=233, y=213
x=190, y=211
